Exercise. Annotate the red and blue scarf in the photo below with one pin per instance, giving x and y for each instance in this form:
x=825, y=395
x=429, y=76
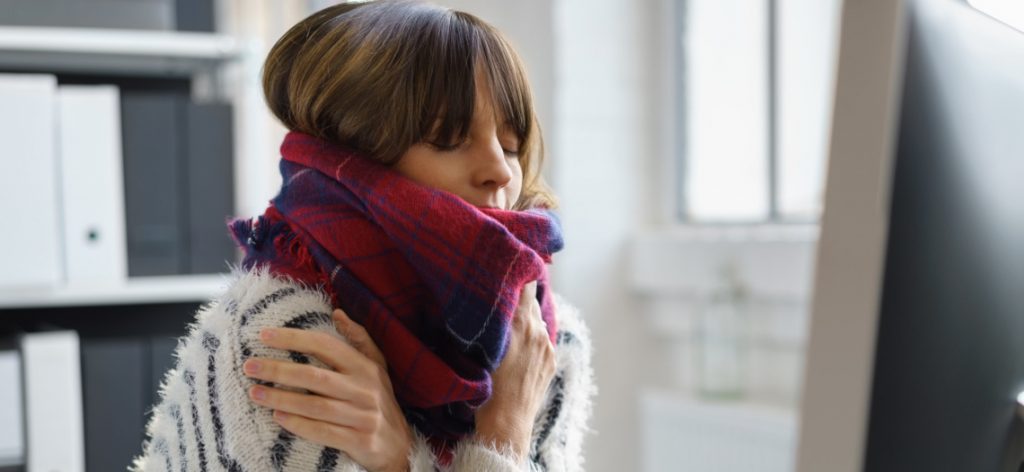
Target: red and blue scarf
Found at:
x=434, y=280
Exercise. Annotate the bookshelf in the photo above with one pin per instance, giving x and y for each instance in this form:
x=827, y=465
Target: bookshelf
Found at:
x=135, y=291
x=128, y=329
x=111, y=50
x=219, y=67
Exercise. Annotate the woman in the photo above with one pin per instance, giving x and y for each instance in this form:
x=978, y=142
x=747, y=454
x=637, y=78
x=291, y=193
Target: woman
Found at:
x=393, y=310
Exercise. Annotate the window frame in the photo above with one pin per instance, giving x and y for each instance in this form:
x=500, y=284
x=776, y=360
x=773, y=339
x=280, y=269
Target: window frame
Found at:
x=679, y=213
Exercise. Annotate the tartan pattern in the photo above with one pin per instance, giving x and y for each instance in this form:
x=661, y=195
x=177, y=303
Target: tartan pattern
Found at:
x=434, y=280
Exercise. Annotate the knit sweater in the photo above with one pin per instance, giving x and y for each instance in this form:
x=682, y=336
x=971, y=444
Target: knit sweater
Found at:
x=205, y=420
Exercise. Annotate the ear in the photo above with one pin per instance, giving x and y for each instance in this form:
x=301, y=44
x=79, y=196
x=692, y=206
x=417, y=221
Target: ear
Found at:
x=358, y=337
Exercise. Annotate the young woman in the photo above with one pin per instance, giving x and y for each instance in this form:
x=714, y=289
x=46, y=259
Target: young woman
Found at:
x=393, y=310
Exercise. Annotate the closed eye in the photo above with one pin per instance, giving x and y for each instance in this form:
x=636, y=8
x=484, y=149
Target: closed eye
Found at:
x=443, y=147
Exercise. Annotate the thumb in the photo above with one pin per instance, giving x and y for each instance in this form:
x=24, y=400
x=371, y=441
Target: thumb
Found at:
x=358, y=337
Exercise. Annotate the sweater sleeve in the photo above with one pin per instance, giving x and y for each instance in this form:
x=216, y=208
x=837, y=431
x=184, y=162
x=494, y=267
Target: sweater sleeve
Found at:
x=206, y=422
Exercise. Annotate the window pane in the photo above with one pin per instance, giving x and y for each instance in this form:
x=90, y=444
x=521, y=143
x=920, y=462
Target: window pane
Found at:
x=807, y=39
x=725, y=84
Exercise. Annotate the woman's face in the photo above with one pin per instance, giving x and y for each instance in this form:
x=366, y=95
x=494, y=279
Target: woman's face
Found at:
x=483, y=170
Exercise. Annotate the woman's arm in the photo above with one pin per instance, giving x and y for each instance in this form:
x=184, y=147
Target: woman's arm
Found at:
x=350, y=406
x=205, y=419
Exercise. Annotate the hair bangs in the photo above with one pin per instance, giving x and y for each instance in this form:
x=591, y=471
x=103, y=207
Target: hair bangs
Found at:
x=510, y=89
x=459, y=49
x=446, y=68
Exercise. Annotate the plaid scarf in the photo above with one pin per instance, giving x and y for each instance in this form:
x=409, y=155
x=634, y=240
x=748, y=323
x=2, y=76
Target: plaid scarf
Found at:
x=434, y=280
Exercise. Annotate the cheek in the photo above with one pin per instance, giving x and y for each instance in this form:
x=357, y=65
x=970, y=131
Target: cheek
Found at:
x=515, y=187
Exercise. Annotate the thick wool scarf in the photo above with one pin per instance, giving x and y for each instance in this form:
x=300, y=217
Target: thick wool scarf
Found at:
x=434, y=280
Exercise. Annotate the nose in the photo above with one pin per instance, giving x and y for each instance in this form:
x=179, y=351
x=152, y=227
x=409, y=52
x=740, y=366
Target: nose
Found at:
x=491, y=169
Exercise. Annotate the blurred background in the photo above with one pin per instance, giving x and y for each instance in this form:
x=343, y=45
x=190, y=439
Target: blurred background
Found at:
x=686, y=140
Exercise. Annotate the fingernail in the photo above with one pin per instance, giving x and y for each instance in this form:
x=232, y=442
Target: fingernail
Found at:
x=267, y=334
x=280, y=415
x=259, y=393
x=252, y=366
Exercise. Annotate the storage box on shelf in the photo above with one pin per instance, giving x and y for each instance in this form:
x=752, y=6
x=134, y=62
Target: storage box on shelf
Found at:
x=217, y=67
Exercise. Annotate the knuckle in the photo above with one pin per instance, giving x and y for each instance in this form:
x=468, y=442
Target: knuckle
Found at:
x=322, y=430
x=372, y=422
x=320, y=408
x=321, y=340
x=268, y=369
x=370, y=370
x=378, y=375
x=382, y=374
x=364, y=442
x=366, y=398
x=317, y=375
x=318, y=336
x=373, y=446
x=375, y=402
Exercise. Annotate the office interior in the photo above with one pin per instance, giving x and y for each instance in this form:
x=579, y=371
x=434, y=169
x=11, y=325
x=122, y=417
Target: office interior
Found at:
x=720, y=178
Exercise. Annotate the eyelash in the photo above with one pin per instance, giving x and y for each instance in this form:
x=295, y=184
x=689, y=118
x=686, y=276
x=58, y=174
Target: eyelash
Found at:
x=446, y=147
x=452, y=147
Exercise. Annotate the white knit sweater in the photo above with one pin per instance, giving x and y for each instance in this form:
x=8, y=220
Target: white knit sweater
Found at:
x=205, y=420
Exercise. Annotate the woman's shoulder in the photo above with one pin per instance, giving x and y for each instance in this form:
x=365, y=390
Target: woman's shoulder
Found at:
x=254, y=299
x=258, y=289
x=257, y=292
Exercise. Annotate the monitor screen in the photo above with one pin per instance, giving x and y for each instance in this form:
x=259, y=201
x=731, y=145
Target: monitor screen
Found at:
x=949, y=359
x=916, y=344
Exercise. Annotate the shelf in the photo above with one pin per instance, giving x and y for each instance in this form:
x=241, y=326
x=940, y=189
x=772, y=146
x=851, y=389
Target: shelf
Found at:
x=137, y=290
x=110, y=50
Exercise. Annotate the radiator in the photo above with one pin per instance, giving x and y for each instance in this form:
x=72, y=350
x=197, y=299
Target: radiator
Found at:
x=687, y=435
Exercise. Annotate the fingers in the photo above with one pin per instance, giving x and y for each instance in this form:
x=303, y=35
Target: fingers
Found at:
x=529, y=292
x=357, y=335
x=528, y=299
x=325, y=434
x=310, y=406
x=332, y=351
x=322, y=381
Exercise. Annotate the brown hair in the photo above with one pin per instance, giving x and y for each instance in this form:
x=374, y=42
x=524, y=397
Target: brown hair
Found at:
x=381, y=76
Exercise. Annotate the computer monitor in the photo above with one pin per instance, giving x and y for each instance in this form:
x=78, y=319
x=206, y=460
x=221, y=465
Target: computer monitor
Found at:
x=916, y=343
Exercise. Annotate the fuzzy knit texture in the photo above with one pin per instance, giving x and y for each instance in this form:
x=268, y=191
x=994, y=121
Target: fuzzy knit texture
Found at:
x=205, y=420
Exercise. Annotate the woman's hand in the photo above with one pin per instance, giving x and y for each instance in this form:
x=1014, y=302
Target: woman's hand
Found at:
x=351, y=407
x=520, y=382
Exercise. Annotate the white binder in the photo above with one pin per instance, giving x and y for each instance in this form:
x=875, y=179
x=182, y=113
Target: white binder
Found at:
x=53, y=402
x=12, y=422
x=92, y=176
x=29, y=198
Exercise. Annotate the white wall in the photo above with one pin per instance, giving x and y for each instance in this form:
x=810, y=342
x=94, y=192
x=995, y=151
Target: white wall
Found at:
x=604, y=162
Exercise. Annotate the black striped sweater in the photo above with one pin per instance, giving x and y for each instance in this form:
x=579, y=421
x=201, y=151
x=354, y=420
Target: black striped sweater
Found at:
x=205, y=420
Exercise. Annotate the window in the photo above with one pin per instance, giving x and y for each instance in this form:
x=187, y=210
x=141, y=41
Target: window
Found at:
x=755, y=82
